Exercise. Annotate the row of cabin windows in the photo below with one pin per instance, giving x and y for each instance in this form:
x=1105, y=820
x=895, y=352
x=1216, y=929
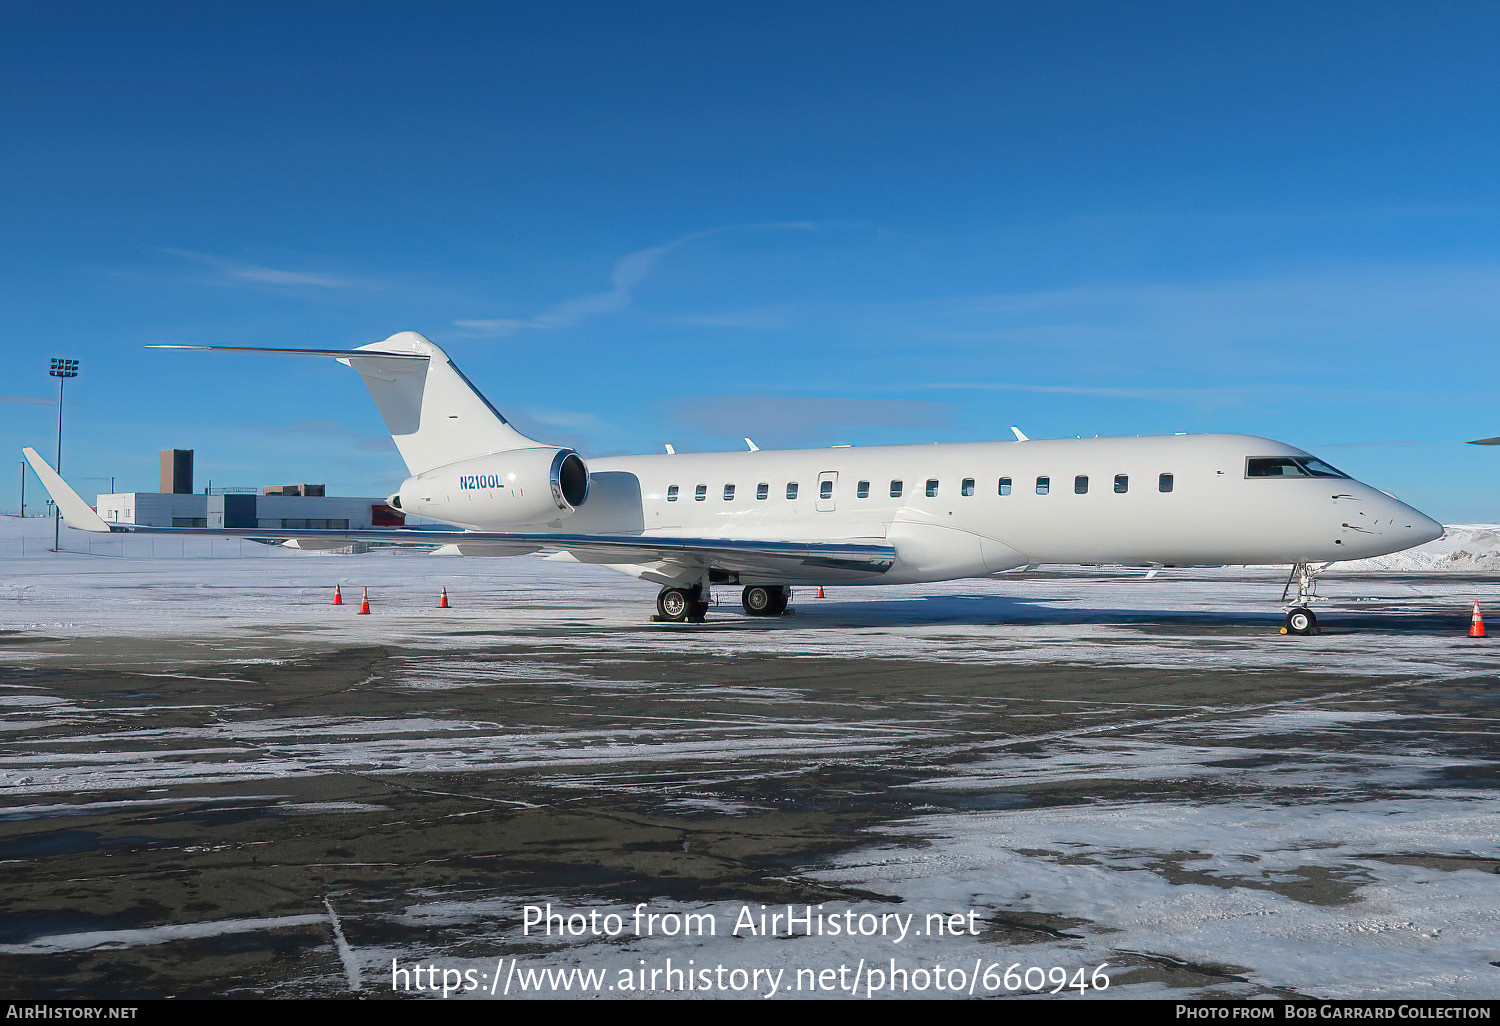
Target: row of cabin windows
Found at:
x=862, y=490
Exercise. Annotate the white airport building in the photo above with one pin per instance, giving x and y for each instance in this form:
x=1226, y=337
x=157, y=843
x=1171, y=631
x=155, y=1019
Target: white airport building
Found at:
x=279, y=507
x=278, y=512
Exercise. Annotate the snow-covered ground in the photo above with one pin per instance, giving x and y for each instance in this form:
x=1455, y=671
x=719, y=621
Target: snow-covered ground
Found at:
x=195, y=744
x=1463, y=547
x=251, y=599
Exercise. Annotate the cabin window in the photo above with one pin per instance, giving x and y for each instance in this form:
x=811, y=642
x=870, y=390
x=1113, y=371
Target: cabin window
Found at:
x=1164, y=483
x=895, y=489
x=1081, y=484
x=825, y=489
x=729, y=493
x=1043, y=485
x=672, y=493
x=701, y=493
x=1005, y=486
x=1122, y=484
x=863, y=491
x=968, y=487
x=762, y=491
x=791, y=489
x=932, y=488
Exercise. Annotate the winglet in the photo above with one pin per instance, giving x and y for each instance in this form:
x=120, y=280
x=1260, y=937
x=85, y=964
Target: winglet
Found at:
x=79, y=514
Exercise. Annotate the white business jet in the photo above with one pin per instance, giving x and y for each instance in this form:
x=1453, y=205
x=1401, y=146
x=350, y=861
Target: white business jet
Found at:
x=770, y=520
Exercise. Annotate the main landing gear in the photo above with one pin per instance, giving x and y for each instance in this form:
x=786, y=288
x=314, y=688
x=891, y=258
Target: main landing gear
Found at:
x=681, y=605
x=689, y=605
x=765, y=599
x=1299, y=618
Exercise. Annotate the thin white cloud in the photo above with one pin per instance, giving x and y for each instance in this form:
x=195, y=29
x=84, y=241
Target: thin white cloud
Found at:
x=571, y=420
x=629, y=272
x=1212, y=396
x=1160, y=323
x=782, y=421
x=236, y=273
x=27, y=400
x=331, y=430
x=752, y=320
x=495, y=327
x=301, y=429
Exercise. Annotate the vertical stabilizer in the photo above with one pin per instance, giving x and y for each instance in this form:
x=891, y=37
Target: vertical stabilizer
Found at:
x=434, y=414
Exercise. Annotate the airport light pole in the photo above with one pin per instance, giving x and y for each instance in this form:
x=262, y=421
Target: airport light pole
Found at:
x=62, y=370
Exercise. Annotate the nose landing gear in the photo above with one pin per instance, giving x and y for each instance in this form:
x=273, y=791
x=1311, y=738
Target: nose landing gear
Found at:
x=1299, y=618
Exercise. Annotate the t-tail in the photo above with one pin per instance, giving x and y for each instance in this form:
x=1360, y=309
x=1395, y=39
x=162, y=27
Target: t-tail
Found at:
x=435, y=415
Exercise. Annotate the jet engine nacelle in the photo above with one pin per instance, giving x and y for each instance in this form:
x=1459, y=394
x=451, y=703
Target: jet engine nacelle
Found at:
x=513, y=489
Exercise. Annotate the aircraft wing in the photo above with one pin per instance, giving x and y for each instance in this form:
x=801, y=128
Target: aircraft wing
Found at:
x=874, y=556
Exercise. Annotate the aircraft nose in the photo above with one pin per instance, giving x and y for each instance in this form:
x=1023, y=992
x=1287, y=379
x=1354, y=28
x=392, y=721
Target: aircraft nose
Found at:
x=1427, y=530
x=1411, y=527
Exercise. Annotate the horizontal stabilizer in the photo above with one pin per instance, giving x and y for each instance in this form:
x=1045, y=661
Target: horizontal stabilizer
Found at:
x=336, y=354
x=435, y=415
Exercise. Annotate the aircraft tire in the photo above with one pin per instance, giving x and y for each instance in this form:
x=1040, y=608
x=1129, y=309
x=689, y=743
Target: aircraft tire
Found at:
x=676, y=604
x=764, y=599
x=1300, y=620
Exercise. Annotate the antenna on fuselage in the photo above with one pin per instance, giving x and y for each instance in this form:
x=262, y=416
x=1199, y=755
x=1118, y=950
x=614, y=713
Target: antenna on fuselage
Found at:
x=1019, y=436
x=671, y=451
x=752, y=445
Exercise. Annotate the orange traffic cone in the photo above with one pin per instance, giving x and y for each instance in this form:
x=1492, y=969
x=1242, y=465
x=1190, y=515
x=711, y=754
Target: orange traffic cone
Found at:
x=364, y=602
x=1476, y=625
x=443, y=599
x=820, y=592
x=338, y=596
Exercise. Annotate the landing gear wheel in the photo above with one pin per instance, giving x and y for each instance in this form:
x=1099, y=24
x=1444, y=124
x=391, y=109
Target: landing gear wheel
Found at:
x=756, y=600
x=675, y=604
x=1300, y=620
x=764, y=600
x=681, y=605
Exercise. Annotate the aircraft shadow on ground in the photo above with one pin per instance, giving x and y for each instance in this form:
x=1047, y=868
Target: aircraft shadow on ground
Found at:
x=1010, y=611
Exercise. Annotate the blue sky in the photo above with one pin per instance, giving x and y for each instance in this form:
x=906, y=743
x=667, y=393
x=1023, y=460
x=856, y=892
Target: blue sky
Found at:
x=808, y=223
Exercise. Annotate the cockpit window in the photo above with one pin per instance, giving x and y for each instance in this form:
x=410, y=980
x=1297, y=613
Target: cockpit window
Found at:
x=1317, y=468
x=1289, y=466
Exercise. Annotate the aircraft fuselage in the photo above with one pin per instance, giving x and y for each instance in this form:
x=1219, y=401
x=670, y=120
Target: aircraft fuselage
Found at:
x=973, y=509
